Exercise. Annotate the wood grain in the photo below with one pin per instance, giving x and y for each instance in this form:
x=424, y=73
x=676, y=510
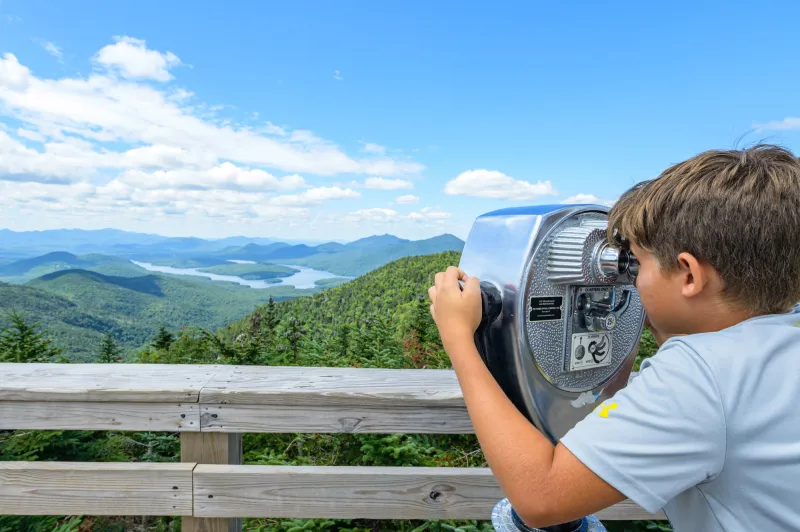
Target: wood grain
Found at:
x=356, y=492
x=299, y=386
x=71, y=488
x=211, y=449
x=39, y=415
x=146, y=383
x=379, y=419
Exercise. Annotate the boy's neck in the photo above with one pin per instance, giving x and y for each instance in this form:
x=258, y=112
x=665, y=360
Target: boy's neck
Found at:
x=717, y=316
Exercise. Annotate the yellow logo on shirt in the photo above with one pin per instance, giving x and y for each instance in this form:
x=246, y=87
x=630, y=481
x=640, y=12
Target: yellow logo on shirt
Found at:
x=603, y=409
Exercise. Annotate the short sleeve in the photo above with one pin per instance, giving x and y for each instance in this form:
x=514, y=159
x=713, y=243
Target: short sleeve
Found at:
x=660, y=435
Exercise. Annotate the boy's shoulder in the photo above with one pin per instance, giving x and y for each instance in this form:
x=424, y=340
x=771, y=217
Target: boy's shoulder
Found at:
x=750, y=336
x=762, y=347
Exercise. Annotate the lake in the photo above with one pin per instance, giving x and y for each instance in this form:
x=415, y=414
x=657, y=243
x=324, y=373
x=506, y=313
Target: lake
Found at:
x=304, y=278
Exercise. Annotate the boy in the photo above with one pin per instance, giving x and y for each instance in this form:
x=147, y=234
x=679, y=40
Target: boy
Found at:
x=710, y=429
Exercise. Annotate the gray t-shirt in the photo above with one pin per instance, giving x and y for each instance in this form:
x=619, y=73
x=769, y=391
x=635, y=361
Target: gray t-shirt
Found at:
x=709, y=430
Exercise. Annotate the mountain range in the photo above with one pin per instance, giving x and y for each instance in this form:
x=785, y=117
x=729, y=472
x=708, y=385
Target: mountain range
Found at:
x=21, y=244
x=80, y=297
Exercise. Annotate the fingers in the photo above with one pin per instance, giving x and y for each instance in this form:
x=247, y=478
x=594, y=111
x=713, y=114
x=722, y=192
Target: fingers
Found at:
x=432, y=313
x=432, y=294
x=473, y=284
x=454, y=274
x=438, y=280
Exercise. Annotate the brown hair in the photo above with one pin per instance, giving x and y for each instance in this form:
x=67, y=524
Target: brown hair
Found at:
x=738, y=210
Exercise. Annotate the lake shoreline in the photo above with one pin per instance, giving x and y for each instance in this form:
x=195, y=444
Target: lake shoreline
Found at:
x=304, y=278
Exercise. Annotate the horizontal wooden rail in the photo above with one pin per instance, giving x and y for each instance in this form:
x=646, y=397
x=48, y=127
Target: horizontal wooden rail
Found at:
x=232, y=399
x=211, y=405
x=78, y=488
x=208, y=491
x=358, y=492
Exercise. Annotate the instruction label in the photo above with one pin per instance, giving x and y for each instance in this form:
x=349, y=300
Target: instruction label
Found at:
x=546, y=308
x=590, y=350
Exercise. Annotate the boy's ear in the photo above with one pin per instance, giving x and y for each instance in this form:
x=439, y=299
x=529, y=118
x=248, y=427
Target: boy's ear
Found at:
x=695, y=275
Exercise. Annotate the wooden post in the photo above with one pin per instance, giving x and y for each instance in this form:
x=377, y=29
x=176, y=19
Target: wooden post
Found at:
x=211, y=448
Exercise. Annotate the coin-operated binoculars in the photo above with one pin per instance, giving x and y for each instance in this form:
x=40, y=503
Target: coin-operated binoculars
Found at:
x=561, y=318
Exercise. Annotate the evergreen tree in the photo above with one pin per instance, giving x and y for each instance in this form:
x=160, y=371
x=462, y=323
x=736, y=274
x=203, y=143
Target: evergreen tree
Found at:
x=163, y=339
x=341, y=341
x=109, y=351
x=271, y=320
x=295, y=331
x=21, y=342
x=421, y=321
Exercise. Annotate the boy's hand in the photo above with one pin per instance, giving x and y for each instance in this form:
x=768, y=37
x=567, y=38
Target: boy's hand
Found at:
x=457, y=312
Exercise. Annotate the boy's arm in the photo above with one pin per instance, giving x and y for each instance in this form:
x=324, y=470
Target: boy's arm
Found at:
x=546, y=485
x=662, y=434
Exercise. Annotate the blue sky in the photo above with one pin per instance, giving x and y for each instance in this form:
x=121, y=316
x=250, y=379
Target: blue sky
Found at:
x=311, y=119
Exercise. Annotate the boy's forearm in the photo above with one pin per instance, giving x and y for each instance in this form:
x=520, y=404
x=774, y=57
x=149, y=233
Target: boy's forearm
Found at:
x=520, y=457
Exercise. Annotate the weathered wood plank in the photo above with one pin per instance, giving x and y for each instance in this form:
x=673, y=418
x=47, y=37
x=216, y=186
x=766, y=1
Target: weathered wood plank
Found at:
x=71, y=488
x=147, y=383
x=298, y=386
x=39, y=415
x=213, y=448
x=357, y=492
x=379, y=419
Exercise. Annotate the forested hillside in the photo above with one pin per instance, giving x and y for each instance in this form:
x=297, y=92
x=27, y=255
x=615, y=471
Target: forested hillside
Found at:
x=79, y=307
x=379, y=320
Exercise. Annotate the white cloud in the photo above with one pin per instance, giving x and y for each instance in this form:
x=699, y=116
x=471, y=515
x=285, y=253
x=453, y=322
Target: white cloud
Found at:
x=31, y=135
x=337, y=75
x=369, y=147
x=405, y=200
x=496, y=185
x=132, y=60
x=53, y=50
x=224, y=176
x=785, y=124
x=116, y=146
x=314, y=196
x=105, y=109
x=582, y=198
x=13, y=76
x=380, y=215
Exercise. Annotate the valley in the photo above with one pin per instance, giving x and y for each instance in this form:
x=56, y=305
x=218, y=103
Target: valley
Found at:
x=129, y=285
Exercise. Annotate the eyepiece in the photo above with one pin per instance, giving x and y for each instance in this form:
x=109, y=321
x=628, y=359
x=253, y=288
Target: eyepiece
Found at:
x=611, y=261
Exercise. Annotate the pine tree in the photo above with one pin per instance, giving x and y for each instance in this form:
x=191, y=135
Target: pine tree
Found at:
x=341, y=341
x=295, y=331
x=109, y=352
x=163, y=339
x=421, y=321
x=271, y=319
x=22, y=343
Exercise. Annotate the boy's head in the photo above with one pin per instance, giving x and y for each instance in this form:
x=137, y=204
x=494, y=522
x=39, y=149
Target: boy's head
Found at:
x=718, y=234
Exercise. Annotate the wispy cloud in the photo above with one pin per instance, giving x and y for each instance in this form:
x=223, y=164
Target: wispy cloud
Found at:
x=129, y=141
x=785, y=124
x=582, y=198
x=53, y=50
x=370, y=147
x=497, y=185
x=337, y=75
x=405, y=200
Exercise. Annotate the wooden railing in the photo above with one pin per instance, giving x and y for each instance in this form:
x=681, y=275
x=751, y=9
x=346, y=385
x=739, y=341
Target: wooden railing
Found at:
x=211, y=406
